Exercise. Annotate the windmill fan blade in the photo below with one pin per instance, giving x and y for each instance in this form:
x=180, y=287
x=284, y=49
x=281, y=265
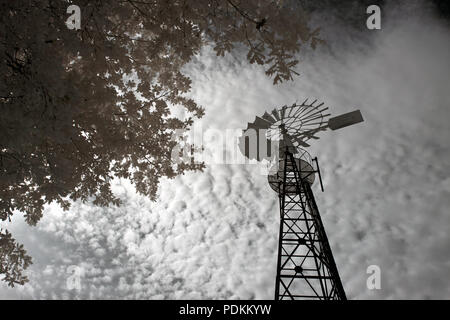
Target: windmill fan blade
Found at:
x=311, y=133
x=253, y=125
x=260, y=123
x=268, y=118
x=275, y=114
x=300, y=142
x=316, y=115
x=283, y=111
x=304, y=144
x=305, y=136
x=345, y=120
x=312, y=111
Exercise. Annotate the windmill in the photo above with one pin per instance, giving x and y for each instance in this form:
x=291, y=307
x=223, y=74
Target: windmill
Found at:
x=305, y=266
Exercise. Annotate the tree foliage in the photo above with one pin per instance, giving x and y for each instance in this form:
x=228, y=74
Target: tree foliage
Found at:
x=79, y=107
x=13, y=259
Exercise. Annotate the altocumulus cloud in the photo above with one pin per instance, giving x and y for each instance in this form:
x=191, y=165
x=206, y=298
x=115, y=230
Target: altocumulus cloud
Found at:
x=213, y=234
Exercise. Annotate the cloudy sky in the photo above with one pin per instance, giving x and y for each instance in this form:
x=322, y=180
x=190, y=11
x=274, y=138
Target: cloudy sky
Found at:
x=213, y=234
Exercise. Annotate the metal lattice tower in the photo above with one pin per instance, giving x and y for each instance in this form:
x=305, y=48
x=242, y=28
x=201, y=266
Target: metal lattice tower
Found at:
x=305, y=268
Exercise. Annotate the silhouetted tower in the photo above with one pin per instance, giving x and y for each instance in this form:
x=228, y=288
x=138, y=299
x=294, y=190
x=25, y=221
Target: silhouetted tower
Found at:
x=305, y=268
